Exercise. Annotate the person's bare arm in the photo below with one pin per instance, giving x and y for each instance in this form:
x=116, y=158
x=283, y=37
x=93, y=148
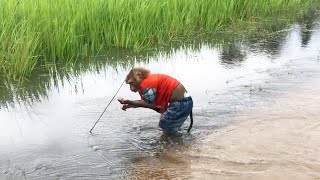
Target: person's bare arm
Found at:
x=127, y=106
x=139, y=103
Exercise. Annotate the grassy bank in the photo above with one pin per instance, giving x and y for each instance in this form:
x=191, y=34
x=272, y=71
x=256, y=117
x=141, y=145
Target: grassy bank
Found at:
x=34, y=34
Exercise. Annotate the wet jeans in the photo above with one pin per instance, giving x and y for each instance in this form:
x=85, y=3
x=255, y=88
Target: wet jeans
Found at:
x=175, y=115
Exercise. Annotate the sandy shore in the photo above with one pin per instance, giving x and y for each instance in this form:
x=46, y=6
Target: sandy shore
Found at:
x=277, y=142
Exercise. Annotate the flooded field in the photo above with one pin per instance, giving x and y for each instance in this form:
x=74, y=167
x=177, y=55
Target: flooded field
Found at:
x=255, y=116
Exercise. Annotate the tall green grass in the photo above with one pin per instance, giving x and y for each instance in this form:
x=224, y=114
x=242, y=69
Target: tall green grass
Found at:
x=37, y=33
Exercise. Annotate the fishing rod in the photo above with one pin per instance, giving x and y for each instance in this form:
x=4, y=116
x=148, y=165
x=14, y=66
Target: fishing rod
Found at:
x=107, y=107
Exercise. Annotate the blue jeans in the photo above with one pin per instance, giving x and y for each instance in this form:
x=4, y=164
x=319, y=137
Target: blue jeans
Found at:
x=175, y=115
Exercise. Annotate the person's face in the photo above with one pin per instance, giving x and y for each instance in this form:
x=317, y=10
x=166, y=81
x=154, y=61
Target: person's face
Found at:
x=134, y=81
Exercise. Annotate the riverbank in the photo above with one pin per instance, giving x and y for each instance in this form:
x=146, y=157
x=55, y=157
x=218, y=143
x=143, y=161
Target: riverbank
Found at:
x=36, y=36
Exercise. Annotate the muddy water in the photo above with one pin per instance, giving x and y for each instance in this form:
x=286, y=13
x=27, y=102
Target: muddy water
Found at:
x=255, y=116
x=278, y=141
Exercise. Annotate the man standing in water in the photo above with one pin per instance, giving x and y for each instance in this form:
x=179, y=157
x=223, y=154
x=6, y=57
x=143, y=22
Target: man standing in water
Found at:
x=161, y=93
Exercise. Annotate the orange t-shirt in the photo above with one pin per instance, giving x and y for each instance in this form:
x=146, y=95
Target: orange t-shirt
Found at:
x=157, y=88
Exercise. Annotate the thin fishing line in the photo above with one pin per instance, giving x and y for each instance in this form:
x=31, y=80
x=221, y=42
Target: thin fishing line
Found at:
x=109, y=103
x=106, y=107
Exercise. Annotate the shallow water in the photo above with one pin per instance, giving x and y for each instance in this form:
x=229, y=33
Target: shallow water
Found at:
x=255, y=116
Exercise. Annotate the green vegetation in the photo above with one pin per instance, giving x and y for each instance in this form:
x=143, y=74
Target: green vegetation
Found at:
x=38, y=34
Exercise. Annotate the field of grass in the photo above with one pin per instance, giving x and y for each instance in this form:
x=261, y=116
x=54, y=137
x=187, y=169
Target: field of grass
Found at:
x=36, y=34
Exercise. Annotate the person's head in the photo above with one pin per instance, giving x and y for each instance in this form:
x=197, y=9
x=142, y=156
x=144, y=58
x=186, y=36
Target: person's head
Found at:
x=135, y=77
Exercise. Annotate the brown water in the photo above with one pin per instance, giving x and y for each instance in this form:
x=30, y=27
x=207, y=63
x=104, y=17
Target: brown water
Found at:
x=278, y=141
x=255, y=116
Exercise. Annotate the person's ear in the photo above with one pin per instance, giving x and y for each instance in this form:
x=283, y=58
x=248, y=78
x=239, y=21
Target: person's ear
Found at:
x=139, y=74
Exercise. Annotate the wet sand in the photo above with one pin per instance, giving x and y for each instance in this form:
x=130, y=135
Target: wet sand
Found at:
x=277, y=142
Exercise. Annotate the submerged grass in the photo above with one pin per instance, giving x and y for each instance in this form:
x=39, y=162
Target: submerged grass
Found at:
x=38, y=33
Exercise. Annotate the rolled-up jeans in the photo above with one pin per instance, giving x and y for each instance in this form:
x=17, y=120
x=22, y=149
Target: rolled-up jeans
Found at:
x=176, y=114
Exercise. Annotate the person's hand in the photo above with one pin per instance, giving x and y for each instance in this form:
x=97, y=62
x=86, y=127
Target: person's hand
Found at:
x=122, y=100
x=125, y=103
x=126, y=106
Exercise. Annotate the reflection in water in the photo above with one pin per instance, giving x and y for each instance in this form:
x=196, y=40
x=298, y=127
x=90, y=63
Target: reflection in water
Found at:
x=270, y=45
x=306, y=34
x=29, y=92
x=238, y=109
x=36, y=88
x=308, y=24
x=232, y=54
